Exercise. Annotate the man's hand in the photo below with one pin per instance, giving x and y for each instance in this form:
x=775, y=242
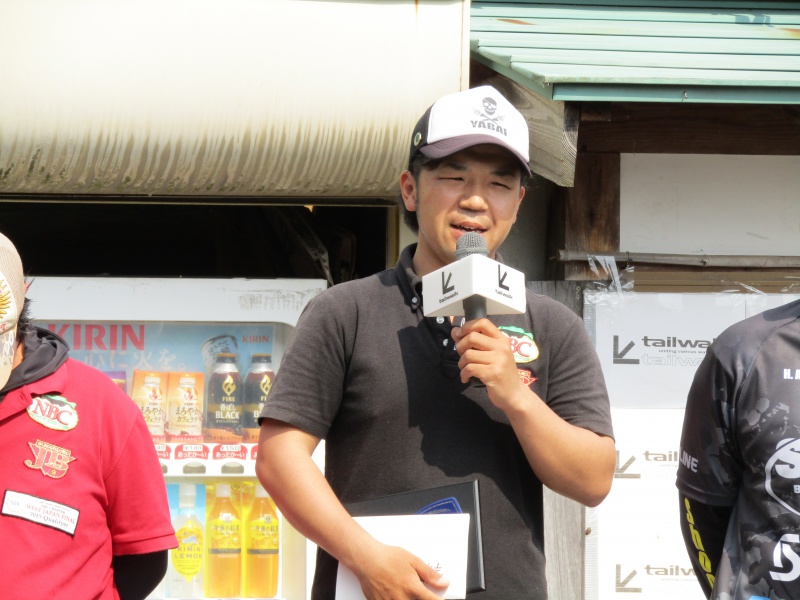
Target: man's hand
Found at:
x=570, y=460
x=287, y=471
x=486, y=355
x=391, y=573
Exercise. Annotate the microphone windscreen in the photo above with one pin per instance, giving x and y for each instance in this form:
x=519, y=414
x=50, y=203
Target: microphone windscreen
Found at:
x=470, y=243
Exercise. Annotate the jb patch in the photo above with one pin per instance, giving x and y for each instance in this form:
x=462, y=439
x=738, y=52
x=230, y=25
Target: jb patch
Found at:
x=50, y=459
x=54, y=412
x=522, y=344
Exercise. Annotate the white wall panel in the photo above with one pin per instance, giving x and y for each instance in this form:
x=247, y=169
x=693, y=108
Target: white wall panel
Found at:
x=710, y=204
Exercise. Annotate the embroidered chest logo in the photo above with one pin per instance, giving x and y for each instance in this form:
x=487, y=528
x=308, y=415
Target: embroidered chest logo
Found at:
x=522, y=344
x=54, y=412
x=51, y=460
x=526, y=376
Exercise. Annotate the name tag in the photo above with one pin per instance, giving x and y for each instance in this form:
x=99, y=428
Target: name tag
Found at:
x=38, y=510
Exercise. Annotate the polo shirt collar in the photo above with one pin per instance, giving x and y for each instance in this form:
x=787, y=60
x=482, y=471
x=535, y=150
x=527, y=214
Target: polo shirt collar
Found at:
x=410, y=283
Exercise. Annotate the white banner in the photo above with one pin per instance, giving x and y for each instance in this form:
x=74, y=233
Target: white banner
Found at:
x=650, y=346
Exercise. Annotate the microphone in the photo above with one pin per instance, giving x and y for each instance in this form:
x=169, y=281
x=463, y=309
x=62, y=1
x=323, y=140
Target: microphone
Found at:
x=474, y=306
x=474, y=285
x=467, y=245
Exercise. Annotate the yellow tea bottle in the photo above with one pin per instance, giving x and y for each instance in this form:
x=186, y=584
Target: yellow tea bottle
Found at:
x=262, y=548
x=224, y=540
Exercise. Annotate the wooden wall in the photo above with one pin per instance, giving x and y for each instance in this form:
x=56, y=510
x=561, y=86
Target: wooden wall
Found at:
x=586, y=217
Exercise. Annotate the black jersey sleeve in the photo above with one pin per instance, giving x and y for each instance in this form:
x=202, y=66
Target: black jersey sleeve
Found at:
x=703, y=527
x=710, y=465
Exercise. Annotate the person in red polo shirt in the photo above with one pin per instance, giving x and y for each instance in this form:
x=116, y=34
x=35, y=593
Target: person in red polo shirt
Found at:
x=83, y=505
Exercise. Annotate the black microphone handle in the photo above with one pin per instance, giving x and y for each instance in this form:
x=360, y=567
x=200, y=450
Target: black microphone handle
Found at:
x=474, y=308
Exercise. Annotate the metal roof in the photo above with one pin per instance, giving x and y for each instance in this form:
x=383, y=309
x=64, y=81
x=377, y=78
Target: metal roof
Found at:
x=665, y=51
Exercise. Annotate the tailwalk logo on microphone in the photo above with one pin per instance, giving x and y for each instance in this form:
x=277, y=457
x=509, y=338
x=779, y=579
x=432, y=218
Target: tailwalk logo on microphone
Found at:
x=445, y=289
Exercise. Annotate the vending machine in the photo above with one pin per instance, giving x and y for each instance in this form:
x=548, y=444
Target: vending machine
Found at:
x=198, y=357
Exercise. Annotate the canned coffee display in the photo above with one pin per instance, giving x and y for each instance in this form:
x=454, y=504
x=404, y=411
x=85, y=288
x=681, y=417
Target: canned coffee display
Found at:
x=225, y=401
x=257, y=384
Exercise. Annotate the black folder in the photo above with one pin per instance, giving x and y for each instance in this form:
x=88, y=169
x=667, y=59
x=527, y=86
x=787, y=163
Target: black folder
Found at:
x=453, y=498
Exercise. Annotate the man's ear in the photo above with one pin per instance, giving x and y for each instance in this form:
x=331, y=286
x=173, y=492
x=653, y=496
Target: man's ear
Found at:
x=408, y=190
x=519, y=202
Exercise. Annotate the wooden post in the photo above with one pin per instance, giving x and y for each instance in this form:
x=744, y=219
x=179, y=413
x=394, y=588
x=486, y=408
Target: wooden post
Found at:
x=564, y=519
x=591, y=210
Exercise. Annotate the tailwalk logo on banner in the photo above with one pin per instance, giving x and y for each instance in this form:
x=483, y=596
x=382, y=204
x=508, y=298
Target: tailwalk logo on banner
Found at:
x=654, y=343
x=661, y=351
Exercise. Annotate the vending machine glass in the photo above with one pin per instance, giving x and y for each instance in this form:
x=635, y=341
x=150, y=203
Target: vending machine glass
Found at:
x=198, y=357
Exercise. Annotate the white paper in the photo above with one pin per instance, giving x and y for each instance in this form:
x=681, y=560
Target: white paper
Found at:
x=441, y=540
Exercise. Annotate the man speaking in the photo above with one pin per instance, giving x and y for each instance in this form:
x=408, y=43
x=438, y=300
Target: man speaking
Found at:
x=388, y=389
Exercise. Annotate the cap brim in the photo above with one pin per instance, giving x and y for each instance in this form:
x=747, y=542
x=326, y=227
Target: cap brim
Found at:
x=8, y=347
x=450, y=146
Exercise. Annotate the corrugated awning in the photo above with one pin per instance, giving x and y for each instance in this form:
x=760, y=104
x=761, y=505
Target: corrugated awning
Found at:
x=670, y=51
x=217, y=101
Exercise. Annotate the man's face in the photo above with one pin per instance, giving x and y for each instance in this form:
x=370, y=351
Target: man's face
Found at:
x=477, y=189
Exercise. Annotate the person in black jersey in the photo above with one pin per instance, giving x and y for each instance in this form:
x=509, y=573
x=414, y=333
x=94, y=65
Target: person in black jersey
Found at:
x=739, y=471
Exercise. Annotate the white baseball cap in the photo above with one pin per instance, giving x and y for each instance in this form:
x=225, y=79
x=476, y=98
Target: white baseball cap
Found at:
x=12, y=296
x=480, y=115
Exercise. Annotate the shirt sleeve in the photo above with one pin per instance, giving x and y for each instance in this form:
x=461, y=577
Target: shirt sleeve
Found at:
x=704, y=528
x=138, y=509
x=307, y=391
x=708, y=470
x=577, y=389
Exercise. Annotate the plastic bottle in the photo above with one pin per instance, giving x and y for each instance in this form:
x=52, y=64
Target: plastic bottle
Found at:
x=149, y=395
x=225, y=401
x=185, y=407
x=224, y=542
x=257, y=384
x=262, y=548
x=185, y=573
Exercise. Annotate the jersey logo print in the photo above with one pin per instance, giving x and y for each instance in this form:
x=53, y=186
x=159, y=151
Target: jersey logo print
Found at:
x=784, y=547
x=782, y=474
x=54, y=412
x=51, y=460
x=522, y=344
